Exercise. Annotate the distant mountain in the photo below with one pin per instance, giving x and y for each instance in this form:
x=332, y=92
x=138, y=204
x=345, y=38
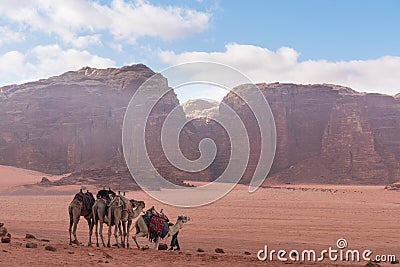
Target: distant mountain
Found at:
x=200, y=108
x=325, y=133
x=73, y=122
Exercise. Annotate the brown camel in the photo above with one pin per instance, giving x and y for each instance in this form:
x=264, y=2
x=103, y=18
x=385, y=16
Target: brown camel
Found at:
x=121, y=217
x=75, y=212
x=142, y=229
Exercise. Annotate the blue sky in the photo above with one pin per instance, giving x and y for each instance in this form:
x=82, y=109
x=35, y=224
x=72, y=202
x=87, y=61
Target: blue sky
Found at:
x=351, y=43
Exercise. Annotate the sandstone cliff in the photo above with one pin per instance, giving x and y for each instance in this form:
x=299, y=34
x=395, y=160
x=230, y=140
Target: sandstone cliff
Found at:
x=73, y=122
x=326, y=133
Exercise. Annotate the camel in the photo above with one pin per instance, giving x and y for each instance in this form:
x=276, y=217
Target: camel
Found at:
x=75, y=212
x=142, y=229
x=122, y=218
x=99, y=212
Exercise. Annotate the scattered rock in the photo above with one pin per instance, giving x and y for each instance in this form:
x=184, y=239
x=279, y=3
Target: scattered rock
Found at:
x=5, y=250
x=99, y=261
x=162, y=247
x=44, y=240
x=247, y=253
x=108, y=256
x=30, y=236
x=50, y=248
x=70, y=252
x=200, y=250
x=106, y=262
x=45, y=182
x=372, y=264
x=5, y=239
x=219, y=250
x=90, y=254
x=146, y=247
x=31, y=245
x=1, y=224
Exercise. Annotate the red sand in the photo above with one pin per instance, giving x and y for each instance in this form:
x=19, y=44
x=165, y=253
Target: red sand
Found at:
x=289, y=217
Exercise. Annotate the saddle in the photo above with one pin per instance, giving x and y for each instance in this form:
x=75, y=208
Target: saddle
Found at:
x=87, y=200
x=157, y=223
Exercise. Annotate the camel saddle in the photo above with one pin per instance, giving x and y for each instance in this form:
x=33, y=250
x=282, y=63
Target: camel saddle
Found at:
x=87, y=200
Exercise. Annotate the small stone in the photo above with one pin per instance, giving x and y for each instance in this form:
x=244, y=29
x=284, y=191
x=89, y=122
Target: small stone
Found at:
x=108, y=256
x=90, y=254
x=70, y=252
x=247, y=253
x=146, y=247
x=1, y=224
x=219, y=250
x=5, y=250
x=50, y=248
x=30, y=236
x=99, y=261
x=162, y=247
x=44, y=240
x=106, y=262
x=200, y=250
x=5, y=239
x=31, y=245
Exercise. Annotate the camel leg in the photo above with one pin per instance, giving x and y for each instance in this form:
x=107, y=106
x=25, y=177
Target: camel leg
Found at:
x=96, y=232
x=101, y=232
x=125, y=234
x=109, y=235
x=71, y=223
x=90, y=223
x=128, y=232
x=141, y=234
x=121, y=234
x=76, y=221
x=116, y=228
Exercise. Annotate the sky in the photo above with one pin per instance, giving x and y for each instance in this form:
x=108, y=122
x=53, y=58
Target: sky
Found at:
x=351, y=43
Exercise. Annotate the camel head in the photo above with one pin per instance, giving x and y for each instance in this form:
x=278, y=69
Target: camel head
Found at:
x=183, y=218
x=138, y=203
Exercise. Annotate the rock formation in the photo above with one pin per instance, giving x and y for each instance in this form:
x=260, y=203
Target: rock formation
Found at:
x=72, y=123
x=326, y=133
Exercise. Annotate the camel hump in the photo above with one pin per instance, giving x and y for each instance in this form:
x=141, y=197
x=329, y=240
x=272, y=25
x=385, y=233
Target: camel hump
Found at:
x=87, y=200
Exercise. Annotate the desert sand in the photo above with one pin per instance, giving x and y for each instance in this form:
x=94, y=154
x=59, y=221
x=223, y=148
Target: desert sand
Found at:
x=282, y=217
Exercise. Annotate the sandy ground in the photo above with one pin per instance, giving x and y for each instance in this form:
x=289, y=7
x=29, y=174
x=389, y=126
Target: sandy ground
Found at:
x=283, y=217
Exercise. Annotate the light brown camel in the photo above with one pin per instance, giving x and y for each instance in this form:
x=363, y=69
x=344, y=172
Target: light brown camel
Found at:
x=121, y=217
x=142, y=230
x=75, y=212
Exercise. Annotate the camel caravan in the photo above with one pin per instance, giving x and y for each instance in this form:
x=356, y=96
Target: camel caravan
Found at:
x=115, y=210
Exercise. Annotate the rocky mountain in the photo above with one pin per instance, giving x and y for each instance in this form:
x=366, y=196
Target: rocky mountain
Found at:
x=325, y=133
x=73, y=122
x=200, y=108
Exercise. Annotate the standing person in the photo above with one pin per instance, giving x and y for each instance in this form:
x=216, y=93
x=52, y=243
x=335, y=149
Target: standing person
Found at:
x=175, y=242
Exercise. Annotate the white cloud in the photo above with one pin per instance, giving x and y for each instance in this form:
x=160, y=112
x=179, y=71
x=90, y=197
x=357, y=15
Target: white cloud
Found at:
x=81, y=23
x=45, y=61
x=10, y=36
x=262, y=65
